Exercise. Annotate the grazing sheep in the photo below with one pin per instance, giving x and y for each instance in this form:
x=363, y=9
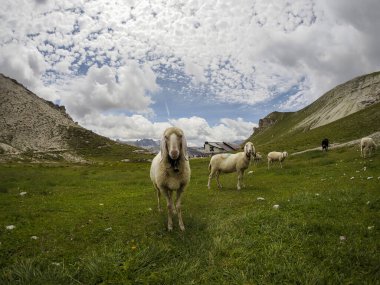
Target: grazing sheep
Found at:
x=367, y=145
x=325, y=145
x=277, y=156
x=170, y=172
x=228, y=163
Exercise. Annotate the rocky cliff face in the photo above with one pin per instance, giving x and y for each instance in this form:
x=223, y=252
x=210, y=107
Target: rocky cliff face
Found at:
x=269, y=120
x=28, y=122
x=343, y=100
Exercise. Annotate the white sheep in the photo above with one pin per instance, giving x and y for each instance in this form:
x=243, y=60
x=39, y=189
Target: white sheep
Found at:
x=277, y=156
x=228, y=163
x=170, y=172
x=367, y=145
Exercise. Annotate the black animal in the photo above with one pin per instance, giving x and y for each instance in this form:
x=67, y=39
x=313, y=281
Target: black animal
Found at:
x=325, y=144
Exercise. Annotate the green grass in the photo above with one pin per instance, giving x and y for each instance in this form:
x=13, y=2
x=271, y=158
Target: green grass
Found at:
x=230, y=237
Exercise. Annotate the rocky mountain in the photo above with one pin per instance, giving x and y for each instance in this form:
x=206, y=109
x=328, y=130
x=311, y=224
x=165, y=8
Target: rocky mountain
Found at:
x=28, y=122
x=343, y=100
x=32, y=126
x=347, y=112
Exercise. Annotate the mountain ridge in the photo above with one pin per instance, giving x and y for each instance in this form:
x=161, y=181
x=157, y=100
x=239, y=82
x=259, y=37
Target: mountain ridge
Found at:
x=359, y=101
x=37, y=128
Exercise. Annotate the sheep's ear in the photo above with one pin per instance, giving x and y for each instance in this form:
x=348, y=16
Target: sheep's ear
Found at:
x=245, y=148
x=164, y=152
x=184, y=148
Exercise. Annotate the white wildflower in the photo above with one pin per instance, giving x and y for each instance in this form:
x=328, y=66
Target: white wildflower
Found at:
x=260, y=199
x=23, y=193
x=10, y=227
x=371, y=227
x=369, y=177
x=34, y=237
x=108, y=229
x=276, y=207
x=352, y=177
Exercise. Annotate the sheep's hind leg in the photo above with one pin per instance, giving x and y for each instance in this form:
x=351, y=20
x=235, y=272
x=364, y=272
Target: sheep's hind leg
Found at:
x=212, y=174
x=209, y=180
x=217, y=180
x=179, y=210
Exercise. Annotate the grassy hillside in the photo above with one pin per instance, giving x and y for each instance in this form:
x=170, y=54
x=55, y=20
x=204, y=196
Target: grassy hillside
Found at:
x=98, y=148
x=283, y=136
x=98, y=224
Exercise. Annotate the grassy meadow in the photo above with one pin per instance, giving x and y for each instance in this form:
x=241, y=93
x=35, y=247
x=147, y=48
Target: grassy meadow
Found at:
x=98, y=224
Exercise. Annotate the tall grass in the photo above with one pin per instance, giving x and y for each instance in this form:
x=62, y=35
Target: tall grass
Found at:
x=98, y=224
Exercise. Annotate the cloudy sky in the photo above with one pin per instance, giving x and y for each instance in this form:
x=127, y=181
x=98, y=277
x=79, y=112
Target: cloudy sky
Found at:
x=128, y=69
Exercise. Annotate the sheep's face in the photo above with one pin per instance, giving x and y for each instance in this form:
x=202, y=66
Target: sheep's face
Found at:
x=174, y=144
x=249, y=149
x=284, y=154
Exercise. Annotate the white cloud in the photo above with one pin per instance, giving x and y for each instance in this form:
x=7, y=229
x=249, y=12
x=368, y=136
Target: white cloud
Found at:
x=22, y=62
x=107, y=89
x=243, y=52
x=196, y=129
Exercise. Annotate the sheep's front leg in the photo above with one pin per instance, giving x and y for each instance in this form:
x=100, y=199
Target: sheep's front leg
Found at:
x=179, y=210
x=158, y=198
x=169, y=204
x=280, y=163
x=173, y=206
x=240, y=178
